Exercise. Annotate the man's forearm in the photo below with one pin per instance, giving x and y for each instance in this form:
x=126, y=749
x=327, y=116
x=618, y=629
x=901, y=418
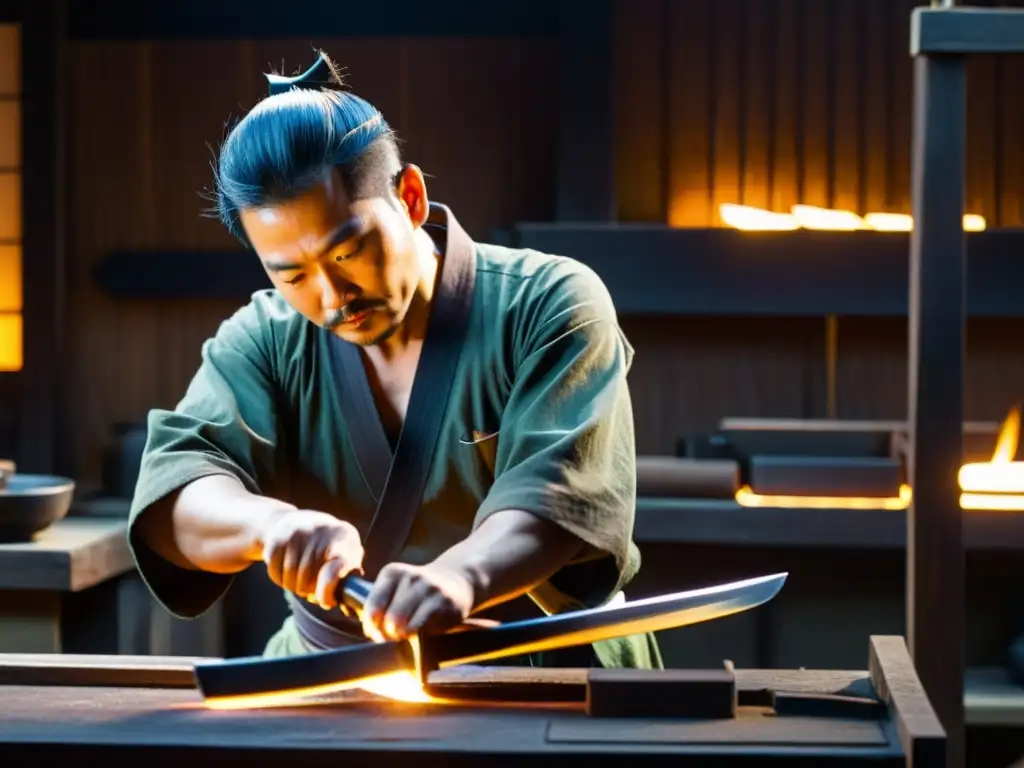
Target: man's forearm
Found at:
x=510, y=553
x=212, y=524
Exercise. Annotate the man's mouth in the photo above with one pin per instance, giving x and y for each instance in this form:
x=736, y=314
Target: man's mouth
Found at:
x=355, y=320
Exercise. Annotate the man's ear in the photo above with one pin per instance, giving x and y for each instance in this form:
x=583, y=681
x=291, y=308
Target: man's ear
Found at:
x=411, y=190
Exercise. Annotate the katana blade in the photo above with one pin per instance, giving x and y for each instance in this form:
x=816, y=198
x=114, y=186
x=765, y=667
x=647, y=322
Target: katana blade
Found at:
x=264, y=682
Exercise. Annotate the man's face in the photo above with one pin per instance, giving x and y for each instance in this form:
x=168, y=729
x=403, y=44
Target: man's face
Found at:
x=350, y=266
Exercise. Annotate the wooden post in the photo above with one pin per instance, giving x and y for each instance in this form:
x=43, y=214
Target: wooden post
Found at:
x=44, y=74
x=935, y=557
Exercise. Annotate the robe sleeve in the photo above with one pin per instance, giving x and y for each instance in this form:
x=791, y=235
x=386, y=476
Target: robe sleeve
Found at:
x=566, y=446
x=226, y=424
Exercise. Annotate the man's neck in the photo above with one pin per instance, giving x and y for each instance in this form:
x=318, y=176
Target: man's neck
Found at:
x=413, y=329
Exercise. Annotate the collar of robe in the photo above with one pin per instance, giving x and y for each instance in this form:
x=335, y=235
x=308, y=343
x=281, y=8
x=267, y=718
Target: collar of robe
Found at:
x=396, y=479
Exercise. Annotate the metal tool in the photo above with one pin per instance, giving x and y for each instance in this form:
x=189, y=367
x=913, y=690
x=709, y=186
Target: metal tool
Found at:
x=259, y=681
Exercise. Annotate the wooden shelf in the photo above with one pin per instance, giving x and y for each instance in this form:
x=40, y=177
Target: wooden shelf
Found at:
x=686, y=521
x=660, y=270
x=654, y=270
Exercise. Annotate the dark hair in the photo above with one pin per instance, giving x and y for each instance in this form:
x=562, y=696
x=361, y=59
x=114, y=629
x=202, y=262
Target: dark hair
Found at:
x=288, y=141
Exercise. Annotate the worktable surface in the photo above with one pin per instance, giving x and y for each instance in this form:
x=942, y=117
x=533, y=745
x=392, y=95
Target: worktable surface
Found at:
x=168, y=726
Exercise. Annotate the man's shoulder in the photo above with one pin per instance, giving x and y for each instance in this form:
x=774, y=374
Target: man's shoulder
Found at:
x=266, y=320
x=535, y=280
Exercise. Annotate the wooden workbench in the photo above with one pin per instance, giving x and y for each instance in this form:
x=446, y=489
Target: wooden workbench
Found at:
x=74, y=588
x=70, y=557
x=165, y=725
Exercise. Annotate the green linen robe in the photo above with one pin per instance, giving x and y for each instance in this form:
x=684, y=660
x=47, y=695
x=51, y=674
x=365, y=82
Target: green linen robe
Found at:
x=529, y=365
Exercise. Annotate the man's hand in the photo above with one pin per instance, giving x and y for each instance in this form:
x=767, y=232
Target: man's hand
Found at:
x=310, y=552
x=407, y=599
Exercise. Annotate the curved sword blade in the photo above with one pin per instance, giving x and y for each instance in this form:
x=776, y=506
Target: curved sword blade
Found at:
x=259, y=681
x=605, y=623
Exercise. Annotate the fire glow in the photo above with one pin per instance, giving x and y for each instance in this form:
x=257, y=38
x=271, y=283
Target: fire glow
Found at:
x=401, y=686
x=996, y=484
x=751, y=219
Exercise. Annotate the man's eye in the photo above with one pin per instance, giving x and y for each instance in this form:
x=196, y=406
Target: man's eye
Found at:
x=351, y=252
x=296, y=280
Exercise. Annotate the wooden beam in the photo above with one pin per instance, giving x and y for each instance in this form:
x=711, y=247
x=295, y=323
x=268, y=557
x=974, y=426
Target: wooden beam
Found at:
x=586, y=117
x=717, y=272
x=897, y=684
x=44, y=61
x=935, y=552
x=306, y=19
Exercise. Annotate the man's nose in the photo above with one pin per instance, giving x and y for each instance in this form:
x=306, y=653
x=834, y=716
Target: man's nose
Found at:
x=333, y=291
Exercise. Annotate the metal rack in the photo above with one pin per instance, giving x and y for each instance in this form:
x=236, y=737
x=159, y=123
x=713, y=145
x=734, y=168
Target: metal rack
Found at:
x=942, y=37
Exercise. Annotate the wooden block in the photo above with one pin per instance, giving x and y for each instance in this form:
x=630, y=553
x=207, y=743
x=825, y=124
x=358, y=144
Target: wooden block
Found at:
x=662, y=693
x=673, y=477
x=825, y=476
x=71, y=555
x=809, y=437
x=97, y=670
x=896, y=682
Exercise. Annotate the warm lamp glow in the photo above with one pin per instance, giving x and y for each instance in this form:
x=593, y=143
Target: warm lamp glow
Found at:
x=974, y=223
x=10, y=342
x=10, y=278
x=812, y=217
x=10, y=60
x=889, y=222
x=748, y=218
x=746, y=497
x=997, y=484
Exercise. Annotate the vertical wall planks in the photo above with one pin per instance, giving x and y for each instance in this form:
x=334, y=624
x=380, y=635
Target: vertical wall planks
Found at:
x=689, y=99
x=642, y=100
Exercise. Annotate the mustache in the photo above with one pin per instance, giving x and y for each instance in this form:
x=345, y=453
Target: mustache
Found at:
x=336, y=317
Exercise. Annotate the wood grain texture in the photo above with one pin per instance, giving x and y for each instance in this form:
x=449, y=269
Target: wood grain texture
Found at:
x=747, y=100
x=785, y=101
x=168, y=726
x=97, y=670
x=70, y=556
x=144, y=119
x=896, y=682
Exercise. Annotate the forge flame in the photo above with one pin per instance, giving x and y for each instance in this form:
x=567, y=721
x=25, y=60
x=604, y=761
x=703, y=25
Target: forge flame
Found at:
x=996, y=484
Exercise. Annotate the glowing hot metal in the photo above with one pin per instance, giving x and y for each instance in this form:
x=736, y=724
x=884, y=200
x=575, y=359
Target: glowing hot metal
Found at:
x=272, y=682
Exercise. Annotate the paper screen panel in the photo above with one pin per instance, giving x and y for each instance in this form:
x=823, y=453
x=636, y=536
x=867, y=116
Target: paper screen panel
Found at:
x=10, y=342
x=10, y=60
x=10, y=135
x=10, y=206
x=10, y=278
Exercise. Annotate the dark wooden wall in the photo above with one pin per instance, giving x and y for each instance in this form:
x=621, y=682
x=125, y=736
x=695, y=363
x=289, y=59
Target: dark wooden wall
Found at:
x=145, y=118
x=756, y=101
x=776, y=102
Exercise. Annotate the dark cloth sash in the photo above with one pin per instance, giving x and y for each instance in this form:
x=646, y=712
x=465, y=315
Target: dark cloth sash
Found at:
x=397, y=479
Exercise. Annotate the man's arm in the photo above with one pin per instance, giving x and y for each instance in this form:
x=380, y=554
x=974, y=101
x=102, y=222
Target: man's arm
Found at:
x=197, y=500
x=511, y=552
x=213, y=524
